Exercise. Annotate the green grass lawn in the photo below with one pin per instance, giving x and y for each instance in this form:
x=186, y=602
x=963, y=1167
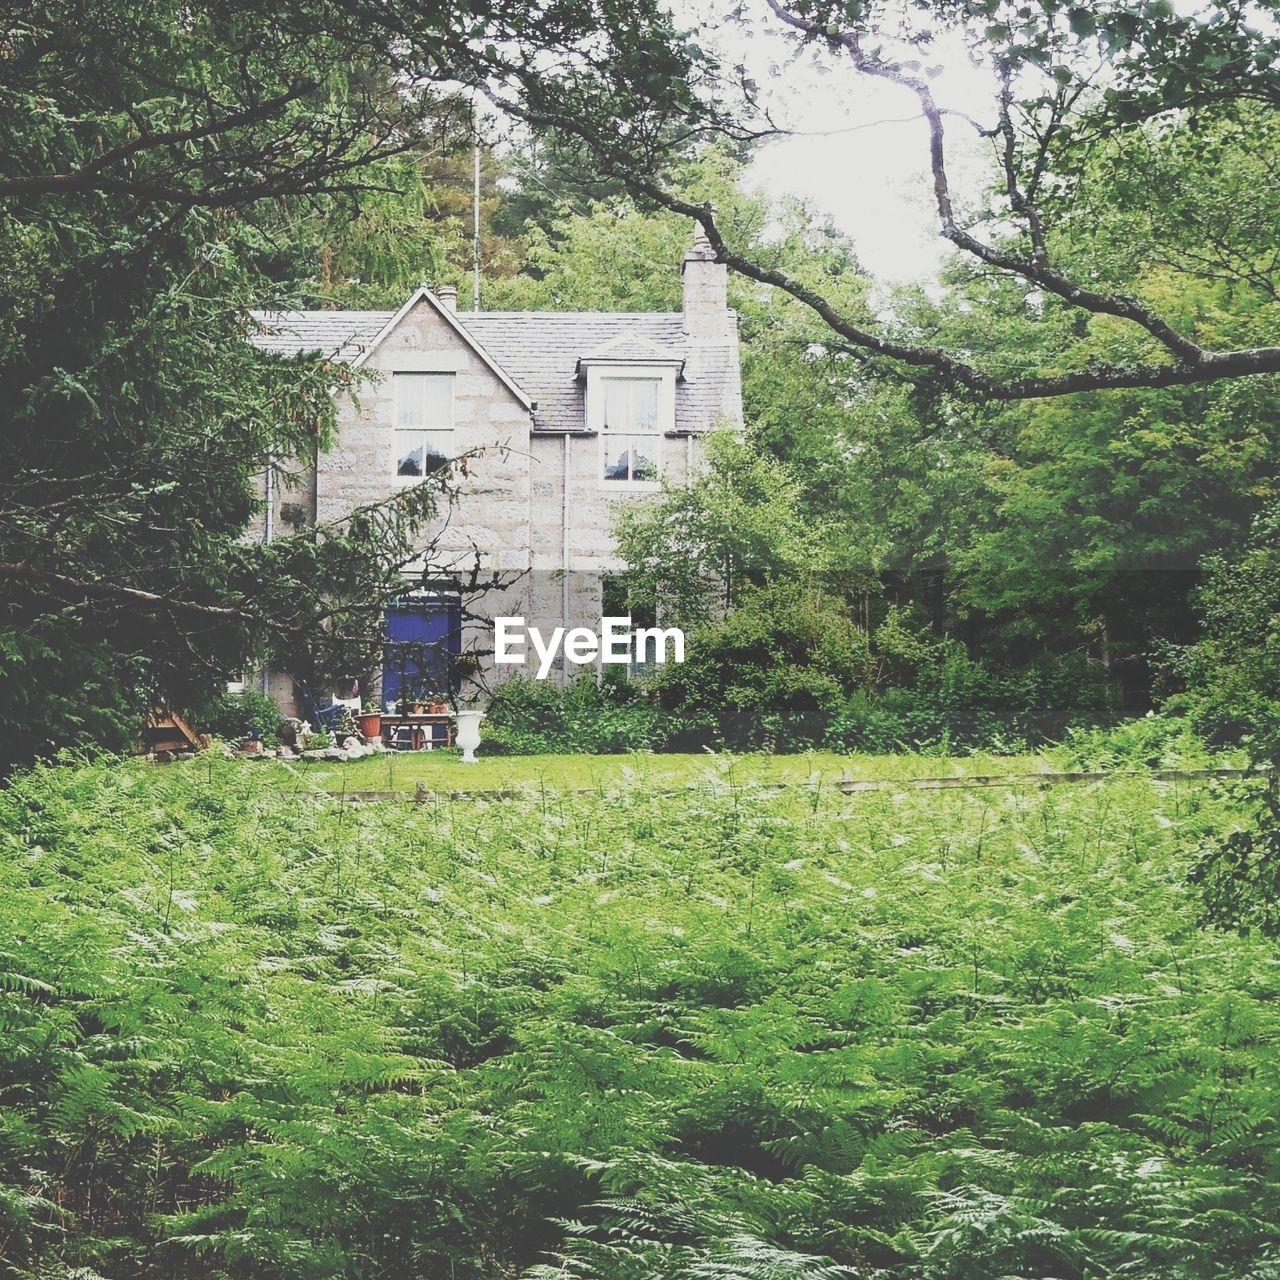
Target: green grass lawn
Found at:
x=444, y=770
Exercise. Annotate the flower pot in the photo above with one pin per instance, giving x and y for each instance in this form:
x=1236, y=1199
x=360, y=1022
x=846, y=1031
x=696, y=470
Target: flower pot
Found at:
x=437, y=708
x=468, y=735
x=371, y=724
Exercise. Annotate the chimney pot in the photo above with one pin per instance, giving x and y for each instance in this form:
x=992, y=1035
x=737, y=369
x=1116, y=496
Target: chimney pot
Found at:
x=448, y=296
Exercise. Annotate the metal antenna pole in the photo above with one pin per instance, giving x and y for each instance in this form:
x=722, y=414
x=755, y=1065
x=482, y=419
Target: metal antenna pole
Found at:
x=475, y=229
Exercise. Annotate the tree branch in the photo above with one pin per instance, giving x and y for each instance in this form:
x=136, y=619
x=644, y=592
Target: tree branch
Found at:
x=18, y=571
x=1019, y=200
x=1190, y=365
x=1037, y=272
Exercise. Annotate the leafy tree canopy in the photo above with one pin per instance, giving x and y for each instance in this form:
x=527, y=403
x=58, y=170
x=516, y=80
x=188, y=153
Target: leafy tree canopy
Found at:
x=1065, y=80
x=162, y=167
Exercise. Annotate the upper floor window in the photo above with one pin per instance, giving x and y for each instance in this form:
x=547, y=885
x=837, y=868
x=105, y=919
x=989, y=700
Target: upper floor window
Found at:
x=630, y=428
x=423, y=422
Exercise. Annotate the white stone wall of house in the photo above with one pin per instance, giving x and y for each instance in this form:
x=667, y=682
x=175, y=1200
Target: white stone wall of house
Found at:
x=360, y=467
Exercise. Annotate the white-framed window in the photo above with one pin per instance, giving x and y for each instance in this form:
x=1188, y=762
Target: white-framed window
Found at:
x=423, y=432
x=630, y=428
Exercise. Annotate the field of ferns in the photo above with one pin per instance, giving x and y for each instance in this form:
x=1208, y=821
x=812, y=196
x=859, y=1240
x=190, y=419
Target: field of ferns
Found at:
x=720, y=1032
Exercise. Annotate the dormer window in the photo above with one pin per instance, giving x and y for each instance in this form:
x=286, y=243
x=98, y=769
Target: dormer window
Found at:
x=423, y=423
x=631, y=407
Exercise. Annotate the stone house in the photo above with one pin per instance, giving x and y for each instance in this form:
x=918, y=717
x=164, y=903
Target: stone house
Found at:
x=574, y=412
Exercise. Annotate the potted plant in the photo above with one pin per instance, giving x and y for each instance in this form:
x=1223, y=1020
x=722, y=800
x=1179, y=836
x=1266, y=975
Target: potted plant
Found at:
x=346, y=726
x=371, y=721
x=436, y=705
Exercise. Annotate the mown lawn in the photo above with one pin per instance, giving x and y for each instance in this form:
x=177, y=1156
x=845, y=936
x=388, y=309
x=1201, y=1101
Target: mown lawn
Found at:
x=718, y=1032
x=444, y=771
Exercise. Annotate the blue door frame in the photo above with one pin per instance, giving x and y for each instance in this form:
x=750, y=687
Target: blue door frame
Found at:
x=423, y=638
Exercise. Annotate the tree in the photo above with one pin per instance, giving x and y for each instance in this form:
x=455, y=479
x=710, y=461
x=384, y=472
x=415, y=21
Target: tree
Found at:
x=1060, y=531
x=1231, y=688
x=152, y=155
x=1231, y=673
x=1066, y=79
x=698, y=550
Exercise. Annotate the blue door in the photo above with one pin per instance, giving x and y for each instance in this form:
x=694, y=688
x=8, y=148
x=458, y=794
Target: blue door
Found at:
x=423, y=637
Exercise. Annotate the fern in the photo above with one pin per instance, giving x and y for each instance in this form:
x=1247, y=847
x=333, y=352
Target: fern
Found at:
x=623, y=1036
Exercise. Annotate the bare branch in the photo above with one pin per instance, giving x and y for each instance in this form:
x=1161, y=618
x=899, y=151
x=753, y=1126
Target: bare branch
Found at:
x=1037, y=272
x=1019, y=201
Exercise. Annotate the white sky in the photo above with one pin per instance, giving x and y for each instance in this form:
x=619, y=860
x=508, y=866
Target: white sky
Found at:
x=860, y=155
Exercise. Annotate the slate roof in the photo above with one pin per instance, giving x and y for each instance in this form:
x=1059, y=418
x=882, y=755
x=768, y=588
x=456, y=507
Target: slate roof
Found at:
x=631, y=347
x=339, y=334
x=540, y=350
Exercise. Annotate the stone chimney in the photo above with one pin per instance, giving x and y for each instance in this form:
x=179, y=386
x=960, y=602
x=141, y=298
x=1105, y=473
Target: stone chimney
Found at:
x=706, y=300
x=448, y=296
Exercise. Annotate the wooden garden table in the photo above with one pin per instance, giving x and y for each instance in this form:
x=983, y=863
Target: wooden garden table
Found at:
x=422, y=735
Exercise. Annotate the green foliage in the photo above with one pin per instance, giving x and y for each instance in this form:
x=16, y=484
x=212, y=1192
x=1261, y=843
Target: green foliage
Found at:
x=1152, y=741
x=1230, y=676
x=1231, y=687
x=791, y=668
x=141, y=157
x=235, y=716
x=346, y=725
x=740, y=525
x=251, y=1031
x=1036, y=532
x=769, y=675
x=52, y=693
x=1238, y=872
x=949, y=701
x=535, y=717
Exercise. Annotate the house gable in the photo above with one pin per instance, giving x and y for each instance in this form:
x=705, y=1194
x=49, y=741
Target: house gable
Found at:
x=632, y=349
x=422, y=297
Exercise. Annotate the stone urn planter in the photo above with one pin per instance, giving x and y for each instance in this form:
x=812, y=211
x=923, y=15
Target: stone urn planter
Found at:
x=468, y=733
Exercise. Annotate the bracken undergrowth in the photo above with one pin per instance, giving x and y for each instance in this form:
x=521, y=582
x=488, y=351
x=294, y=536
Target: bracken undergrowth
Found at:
x=248, y=1031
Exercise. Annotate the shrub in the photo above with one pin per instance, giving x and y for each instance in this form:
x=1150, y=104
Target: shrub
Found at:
x=1150, y=742
x=59, y=692
x=1232, y=673
x=236, y=716
x=946, y=700
x=792, y=670
x=539, y=717
x=771, y=674
x=1237, y=873
x=1232, y=695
